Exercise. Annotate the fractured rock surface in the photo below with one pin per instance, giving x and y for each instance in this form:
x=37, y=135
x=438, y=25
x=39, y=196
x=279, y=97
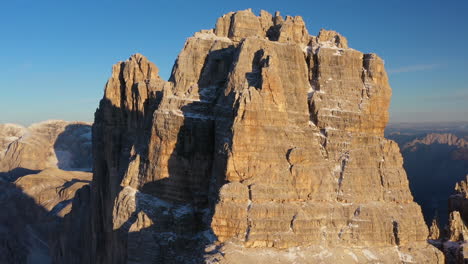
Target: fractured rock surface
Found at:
x=37, y=185
x=265, y=145
x=453, y=241
x=49, y=144
x=53, y=188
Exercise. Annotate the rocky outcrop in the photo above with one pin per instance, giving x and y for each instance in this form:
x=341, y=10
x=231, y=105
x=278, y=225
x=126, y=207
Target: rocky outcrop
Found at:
x=434, y=230
x=53, y=188
x=454, y=240
x=458, y=207
x=265, y=145
x=37, y=185
x=23, y=227
x=49, y=144
x=32, y=211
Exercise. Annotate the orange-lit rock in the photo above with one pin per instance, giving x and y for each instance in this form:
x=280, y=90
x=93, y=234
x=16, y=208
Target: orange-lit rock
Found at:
x=265, y=145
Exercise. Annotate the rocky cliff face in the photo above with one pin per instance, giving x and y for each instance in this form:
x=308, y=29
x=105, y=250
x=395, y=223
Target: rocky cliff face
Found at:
x=453, y=239
x=266, y=145
x=37, y=185
x=49, y=144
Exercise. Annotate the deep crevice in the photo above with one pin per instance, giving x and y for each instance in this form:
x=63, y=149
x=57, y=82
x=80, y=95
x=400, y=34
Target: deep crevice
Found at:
x=395, y=232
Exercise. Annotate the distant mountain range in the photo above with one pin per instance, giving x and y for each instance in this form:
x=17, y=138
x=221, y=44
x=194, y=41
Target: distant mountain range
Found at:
x=435, y=159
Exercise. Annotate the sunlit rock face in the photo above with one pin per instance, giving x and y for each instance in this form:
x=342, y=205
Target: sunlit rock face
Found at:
x=265, y=146
x=49, y=144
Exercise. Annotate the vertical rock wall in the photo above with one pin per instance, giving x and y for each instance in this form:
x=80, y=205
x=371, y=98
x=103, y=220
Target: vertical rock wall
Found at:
x=265, y=141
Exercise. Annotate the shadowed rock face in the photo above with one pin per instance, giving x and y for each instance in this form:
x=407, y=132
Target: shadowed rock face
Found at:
x=32, y=211
x=21, y=222
x=53, y=188
x=435, y=162
x=37, y=185
x=266, y=145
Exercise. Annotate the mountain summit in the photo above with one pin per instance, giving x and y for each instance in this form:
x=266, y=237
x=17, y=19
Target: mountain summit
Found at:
x=265, y=146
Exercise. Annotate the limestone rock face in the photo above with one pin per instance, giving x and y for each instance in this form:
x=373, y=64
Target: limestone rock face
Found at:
x=32, y=211
x=293, y=29
x=24, y=227
x=454, y=243
x=10, y=133
x=459, y=201
x=265, y=145
x=53, y=188
x=37, y=185
x=49, y=144
x=332, y=38
x=457, y=229
x=434, y=230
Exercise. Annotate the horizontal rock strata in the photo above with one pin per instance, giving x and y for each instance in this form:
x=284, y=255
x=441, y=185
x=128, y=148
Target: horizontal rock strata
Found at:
x=264, y=142
x=37, y=186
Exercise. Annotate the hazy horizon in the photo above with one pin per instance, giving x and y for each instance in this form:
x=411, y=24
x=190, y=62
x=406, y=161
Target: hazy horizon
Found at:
x=58, y=56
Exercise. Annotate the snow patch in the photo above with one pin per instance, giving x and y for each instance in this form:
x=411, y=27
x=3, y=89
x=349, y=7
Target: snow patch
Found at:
x=10, y=139
x=369, y=255
x=182, y=210
x=352, y=255
x=405, y=257
x=188, y=99
x=337, y=168
x=12, y=126
x=324, y=254
x=313, y=125
x=338, y=52
x=209, y=35
x=47, y=122
x=188, y=114
x=86, y=136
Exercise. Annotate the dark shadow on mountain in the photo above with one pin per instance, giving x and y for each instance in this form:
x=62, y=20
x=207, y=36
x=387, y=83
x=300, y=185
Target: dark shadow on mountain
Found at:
x=254, y=78
x=14, y=174
x=181, y=228
x=181, y=205
x=117, y=136
x=73, y=148
x=73, y=242
x=26, y=228
x=73, y=181
x=432, y=173
x=57, y=208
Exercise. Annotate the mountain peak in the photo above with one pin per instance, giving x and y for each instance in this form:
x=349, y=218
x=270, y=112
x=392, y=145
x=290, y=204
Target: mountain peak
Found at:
x=264, y=141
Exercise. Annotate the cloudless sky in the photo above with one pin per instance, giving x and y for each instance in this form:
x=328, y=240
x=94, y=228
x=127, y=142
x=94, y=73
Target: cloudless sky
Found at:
x=56, y=56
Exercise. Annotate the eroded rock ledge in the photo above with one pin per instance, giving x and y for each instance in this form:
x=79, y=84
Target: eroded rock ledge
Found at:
x=266, y=145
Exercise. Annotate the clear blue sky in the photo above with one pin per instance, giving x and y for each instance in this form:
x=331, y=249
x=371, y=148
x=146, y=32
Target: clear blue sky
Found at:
x=56, y=56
